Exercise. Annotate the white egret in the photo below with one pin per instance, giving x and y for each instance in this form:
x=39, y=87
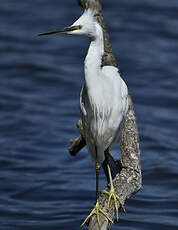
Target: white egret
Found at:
x=103, y=102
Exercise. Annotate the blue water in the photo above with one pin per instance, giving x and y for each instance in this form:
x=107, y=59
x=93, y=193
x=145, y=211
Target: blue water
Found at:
x=41, y=186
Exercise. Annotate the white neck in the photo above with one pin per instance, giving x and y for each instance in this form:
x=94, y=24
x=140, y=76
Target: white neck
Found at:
x=94, y=58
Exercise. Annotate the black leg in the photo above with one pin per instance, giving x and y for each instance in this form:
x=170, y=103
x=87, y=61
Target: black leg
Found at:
x=97, y=209
x=97, y=180
x=115, y=166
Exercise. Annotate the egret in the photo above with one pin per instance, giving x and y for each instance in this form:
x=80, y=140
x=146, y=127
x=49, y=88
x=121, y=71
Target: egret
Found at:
x=103, y=103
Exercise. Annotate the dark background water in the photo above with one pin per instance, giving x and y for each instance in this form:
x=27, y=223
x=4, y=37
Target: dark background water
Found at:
x=41, y=186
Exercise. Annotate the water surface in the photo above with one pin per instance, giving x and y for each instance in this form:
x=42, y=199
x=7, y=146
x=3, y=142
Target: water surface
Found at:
x=42, y=187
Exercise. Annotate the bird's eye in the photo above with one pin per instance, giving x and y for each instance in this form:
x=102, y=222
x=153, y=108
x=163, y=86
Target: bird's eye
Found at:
x=96, y=15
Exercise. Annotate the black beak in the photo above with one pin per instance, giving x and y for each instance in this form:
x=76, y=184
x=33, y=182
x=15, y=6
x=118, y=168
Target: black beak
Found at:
x=65, y=30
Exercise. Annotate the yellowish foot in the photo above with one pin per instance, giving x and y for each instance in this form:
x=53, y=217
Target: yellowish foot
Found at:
x=96, y=210
x=113, y=194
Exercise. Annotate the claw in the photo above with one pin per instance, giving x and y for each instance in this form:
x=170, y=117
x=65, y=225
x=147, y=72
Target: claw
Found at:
x=112, y=194
x=96, y=210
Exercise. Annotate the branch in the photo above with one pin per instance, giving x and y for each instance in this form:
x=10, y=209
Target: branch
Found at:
x=78, y=143
x=129, y=180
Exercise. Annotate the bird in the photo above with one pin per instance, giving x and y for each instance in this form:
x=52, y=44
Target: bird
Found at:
x=103, y=103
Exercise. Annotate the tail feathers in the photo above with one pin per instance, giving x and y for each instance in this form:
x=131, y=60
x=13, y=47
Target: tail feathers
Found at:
x=97, y=154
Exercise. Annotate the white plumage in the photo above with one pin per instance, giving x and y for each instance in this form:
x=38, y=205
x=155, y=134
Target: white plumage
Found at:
x=103, y=110
x=103, y=102
x=104, y=97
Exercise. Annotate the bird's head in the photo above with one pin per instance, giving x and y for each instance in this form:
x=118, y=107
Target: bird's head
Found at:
x=85, y=25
